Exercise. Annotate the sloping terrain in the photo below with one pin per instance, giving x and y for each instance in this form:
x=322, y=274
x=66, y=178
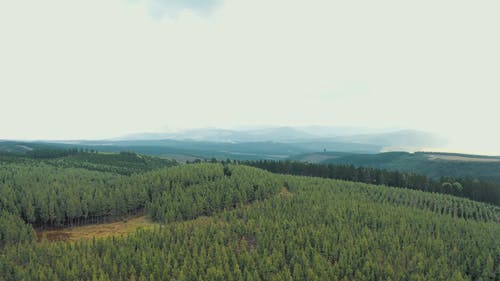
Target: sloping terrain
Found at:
x=233, y=222
x=432, y=164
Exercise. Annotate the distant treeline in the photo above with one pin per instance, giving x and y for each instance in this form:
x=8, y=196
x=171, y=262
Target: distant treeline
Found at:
x=478, y=190
x=124, y=163
x=49, y=153
x=434, y=165
x=56, y=152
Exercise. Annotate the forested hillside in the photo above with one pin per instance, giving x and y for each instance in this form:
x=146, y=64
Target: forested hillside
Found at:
x=432, y=164
x=125, y=162
x=479, y=190
x=223, y=221
x=48, y=196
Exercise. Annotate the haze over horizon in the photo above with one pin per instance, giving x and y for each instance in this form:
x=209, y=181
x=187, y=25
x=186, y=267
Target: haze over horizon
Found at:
x=103, y=69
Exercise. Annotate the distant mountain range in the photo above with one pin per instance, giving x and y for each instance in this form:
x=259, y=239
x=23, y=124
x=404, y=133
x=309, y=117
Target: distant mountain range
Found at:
x=250, y=144
x=279, y=134
x=353, y=146
x=380, y=140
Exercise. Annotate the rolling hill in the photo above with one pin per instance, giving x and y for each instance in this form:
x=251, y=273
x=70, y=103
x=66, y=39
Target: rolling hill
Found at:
x=262, y=143
x=220, y=221
x=432, y=164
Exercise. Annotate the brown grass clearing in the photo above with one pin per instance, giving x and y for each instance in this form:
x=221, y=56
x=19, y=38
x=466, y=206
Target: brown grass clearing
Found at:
x=122, y=228
x=102, y=230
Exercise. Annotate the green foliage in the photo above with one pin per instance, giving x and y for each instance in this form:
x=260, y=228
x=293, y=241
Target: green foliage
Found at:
x=432, y=164
x=13, y=230
x=325, y=230
x=482, y=191
x=181, y=200
x=262, y=226
x=45, y=195
x=124, y=163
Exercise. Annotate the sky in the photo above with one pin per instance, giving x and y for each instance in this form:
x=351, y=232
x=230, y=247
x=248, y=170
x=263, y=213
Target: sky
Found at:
x=99, y=69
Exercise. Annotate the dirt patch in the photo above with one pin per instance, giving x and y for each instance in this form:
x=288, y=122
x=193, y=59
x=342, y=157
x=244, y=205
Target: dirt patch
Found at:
x=95, y=230
x=52, y=236
x=284, y=192
x=130, y=225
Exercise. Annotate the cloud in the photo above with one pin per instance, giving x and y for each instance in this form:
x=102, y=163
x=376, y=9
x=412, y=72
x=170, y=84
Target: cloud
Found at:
x=323, y=62
x=172, y=8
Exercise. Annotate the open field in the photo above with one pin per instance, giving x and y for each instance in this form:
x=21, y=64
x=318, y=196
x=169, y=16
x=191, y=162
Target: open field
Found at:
x=461, y=158
x=102, y=230
x=116, y=229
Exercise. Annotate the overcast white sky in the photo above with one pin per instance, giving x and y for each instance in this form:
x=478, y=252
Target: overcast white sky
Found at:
x=96, y=69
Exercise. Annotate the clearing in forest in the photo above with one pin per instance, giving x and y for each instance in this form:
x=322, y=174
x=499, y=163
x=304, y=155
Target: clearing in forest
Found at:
x=124, y=227
x=102, y=230
x=461, y=158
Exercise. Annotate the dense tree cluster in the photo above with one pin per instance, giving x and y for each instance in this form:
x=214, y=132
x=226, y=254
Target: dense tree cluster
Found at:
x=49, y=153
x=222, y=221
x=124, y=163
x=238, y=185
x=45, y=195
x=13, y=230
x=474, y=189
x=48, y=196
x=432, y=164
x=322, y=230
